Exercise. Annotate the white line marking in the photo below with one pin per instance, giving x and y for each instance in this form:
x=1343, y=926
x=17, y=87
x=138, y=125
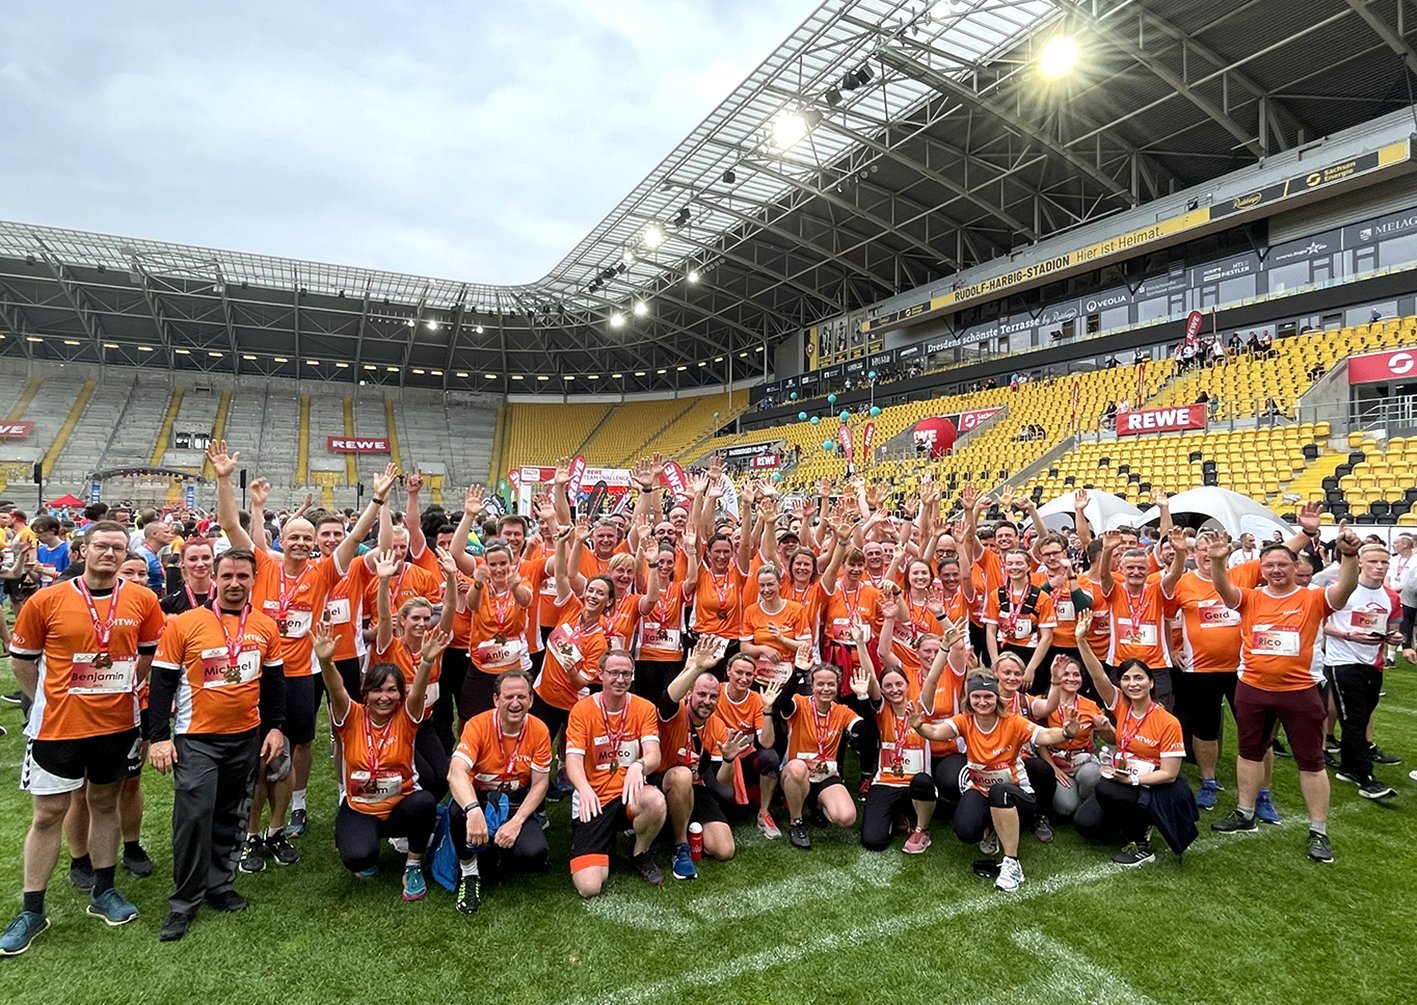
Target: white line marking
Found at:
x=1076, y=977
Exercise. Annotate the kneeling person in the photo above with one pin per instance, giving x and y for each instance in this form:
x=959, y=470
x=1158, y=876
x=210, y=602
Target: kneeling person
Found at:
x=498, y=778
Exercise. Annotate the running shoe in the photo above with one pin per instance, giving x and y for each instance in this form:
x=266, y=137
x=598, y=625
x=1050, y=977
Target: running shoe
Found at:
x=253, y=855
x=1331, y=760
x=989, y=843
x=1134, y=854
x=864, y=787
x=81, y=877
x=1235, y=822
x=227, y=901
x=649, y=869
x=469, y=894
x=1331, y=745
x=1374, y=789
x=917, y=842
x=1042, y=829
x=1412, y=775
x=112, y=907
x=278, y=847
x=1010, y=875
x=1320, y=847
x=1205, y=798
x=1347, y=776
x=174, y=928
x=683, y=867
x=768, y=826
x=540, y=819
x=798, y=836
x=4, y=731
x=1265, y=812
x=21, y=932
x=1381, y=756
x=415, y=887
x=368, y=873
x=296, y=827
x=139, y=863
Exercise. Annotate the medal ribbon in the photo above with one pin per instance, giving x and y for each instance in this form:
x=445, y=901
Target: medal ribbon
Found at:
x=511, y=768
x=103, y=631
x=288, y=594
x=1134, y=611
x=376, y=751
x=233, y=649
x=1014, y=610
x=1125, y=735
x=613, y=736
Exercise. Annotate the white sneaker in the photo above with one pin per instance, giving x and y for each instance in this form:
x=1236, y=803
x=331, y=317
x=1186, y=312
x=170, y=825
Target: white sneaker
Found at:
x=1010, y=875
x=989, y=843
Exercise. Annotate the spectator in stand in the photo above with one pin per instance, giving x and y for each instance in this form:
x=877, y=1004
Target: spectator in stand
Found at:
x=1316, y=371
x=1375, y=317
x=1235, y=344
x=1217, y=351
x=1140, y=356
x=1109, y=415
x=1271, y=409
x=1188, y=355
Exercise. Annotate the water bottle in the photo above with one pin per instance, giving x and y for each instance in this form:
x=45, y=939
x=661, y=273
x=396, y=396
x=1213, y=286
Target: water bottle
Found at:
x=1105, y=762
x=696, y=841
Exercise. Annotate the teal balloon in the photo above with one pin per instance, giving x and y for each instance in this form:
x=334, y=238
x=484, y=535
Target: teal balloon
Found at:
x=777, y=476
x=801, y=416
x=828, y=446
x=831, y=399
x=875, y=410
x=716, y=414
x=502, y=486
x=845, y=415
x=871, y=375
x=793, y=396
x=816, y=419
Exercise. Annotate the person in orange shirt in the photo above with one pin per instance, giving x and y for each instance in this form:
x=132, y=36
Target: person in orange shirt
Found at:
x=622, y=620
x=740, y=713
x=802, y=587
x=1074, y=765
x=907, y=617
x=775, y=630
x=995, y=789
x=612, y=747
x=850, y=600
x=661, y=654
x=497, y=637
x=1137, y=611
x=79, y=651
x=715, y=589
x=220, y=668
x=1279, y=624
x=811, y=771
x=1021, y=620
x=383, y=795
x=498, y=778
x=1142, y=787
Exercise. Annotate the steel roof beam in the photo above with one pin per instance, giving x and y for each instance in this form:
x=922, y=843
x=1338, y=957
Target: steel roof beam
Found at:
x=1385, y=31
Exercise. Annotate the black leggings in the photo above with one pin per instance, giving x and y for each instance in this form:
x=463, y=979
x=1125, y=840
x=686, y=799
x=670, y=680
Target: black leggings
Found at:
x=528, y=852
x=1041, y=779
x=357, y=835
x=430, y=760
x=762, y=763
x=653, y=676
x=555, y=719
x=973, y=816
x=884, y=802
x=451, y=698
x=475, y=695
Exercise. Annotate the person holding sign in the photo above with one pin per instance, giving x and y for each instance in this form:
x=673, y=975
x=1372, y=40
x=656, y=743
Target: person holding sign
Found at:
x=221, y=668
x=80, y=650
x=383, y=797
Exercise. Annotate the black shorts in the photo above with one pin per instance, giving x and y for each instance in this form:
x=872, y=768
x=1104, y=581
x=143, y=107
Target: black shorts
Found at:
x=1199, y=701
x=592, y=844
x=52, y=767
x=707, y=807
x=300, y=705
x=815, y=789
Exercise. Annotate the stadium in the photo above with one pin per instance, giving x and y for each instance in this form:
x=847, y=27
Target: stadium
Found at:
x=1064, y=270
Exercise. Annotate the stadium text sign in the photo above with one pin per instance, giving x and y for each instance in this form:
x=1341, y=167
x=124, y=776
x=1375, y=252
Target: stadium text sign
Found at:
x=15, y=430
x=769, y=460
x=1375, y=367
x=358, y=444
x=1161, y=420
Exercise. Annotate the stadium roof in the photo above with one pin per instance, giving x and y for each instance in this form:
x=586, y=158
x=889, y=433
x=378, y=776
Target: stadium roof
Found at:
x=884, y=145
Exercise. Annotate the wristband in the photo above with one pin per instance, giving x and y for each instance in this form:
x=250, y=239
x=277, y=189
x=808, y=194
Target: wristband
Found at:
x=470, y=807
x=377, y=501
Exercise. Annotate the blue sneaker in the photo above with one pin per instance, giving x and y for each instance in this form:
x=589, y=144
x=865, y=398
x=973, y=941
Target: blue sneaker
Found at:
x=1265, y=812
x=1205, y=798
x=21, y=932
x=684, y=863
x=415, y=887
x=112, y=907
x=368, y=873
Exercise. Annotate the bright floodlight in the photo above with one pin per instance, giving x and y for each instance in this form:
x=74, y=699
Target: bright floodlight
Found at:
x=480, y=329
x=628, y=257
x=944, y=8
x=641, y=308
x=788, y=128
x=693, y=275
x=1059, y=56
x=432, y=325
x=653, y=236
x=617, y=320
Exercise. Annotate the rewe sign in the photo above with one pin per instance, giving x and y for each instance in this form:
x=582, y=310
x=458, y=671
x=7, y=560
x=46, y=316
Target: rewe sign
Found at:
x=1161, y=420
x=15, y=430
x=1396, y=364
x=358, y=444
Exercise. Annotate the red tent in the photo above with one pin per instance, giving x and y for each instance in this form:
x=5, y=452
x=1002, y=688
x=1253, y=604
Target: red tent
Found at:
x=65, y=502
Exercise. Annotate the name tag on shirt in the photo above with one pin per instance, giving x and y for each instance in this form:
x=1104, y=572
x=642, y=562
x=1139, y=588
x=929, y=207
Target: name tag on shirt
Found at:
x=115, y=677
x=219, y=671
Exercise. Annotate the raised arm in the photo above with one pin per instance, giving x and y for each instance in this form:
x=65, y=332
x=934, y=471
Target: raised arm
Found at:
x=1080, y=524
x=1105, y=689
x=1338, y=594
x=435, y=640
x=472, y=505
x=384, y=568
x=1219, y=554
x=228, y=514
x=324, y=642
x=1111, y=541
x=347, y=549
x=1179, y=549
x=412, y=522
x=450, y=592
x=703, y=657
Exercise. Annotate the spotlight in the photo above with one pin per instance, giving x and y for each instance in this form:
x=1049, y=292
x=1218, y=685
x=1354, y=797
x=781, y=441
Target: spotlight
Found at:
x=863, y=74
x=653, y=236
x=693, y=276
x=682, y=218
x=479, y=329
x=729, y=177
x=641, y=308
x=788, y=127
x=432, y=325
x=849, y=82
x=833, y=96
x=410, y=322
x=620, y=269
x=1058, y=57
x=617, y=320
x=628, y=258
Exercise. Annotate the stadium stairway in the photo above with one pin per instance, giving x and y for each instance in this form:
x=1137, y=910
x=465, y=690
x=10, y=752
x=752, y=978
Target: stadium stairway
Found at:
x=84, y=451
x=61, y=437
x=164, y=433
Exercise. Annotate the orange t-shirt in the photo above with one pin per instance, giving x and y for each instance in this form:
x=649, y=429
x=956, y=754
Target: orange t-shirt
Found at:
x=813, y=600
x=591, y=566
x=291, y=601
x=1138, y=624
x=662, y=629
x=815, y=738
x=1099, y=636
x=410, y=582
x=1277, y=636
x=502, y=762
x=407, y=661
x=744, y=716
x=74, y=698
x=570, y=645
x=610, y=742
x=913, y=621
x=376, y=764
x=904, y=752
x=344, y=603
x=681, y=745
x=949, y=697
x=988, y=576
x=995, y=756
x=1088, y=710
x=623, y=621
x=1014, y=626
x=1210, y=631
x=847, y=607
x=718, y=603
x=791, y=621
x=215, y=696
x=497, y=632
x=1148, y=737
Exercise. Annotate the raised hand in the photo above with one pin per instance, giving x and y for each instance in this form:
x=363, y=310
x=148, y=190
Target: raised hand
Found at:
x=324, y=640
x=260, y=491
x=1081, y=499
x=642, y=475
x=385, y=481
x=563, y=472
x=1348, y=543
x=435, y=640
x=1309, y=517
x=446, y=561
x=1219, y=549
x=705, y=652
x=1158, y=497
x=223, y=464
x=735, y=745
x=860, y=679
x=385, y=564
x=1111, y=539
x=656, y=467
x=1179, y=541
x=1083, y=622
x=473, y=500
x=581, y=533
x=771, y=693
x=413, y=482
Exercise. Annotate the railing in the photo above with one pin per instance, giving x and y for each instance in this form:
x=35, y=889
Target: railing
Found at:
x=1389, y=415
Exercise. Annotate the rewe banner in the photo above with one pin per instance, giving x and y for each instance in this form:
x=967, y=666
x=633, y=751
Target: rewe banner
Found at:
x=1161, y=420
x=1375, y=367
x=15, y=430
x=357, y=444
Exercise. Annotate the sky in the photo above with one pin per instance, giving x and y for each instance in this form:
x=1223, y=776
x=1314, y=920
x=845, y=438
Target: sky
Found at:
x=476, y=141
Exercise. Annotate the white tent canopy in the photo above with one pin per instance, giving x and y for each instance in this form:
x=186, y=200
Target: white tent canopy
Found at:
x=1234, y=513
x=1104, y=511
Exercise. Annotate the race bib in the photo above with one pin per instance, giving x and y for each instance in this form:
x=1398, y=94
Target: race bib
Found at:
x=1023, y=628
x=92, y=674
x=219, y=671
x=772, y=671
x=1274, y=642
x=1215, y=614
x=567, y=653
x=818, y=770
x=495, y=655
x=1369, y=621
x=295, y=624
x=609, y=756
x=657, y=636
x=1141, y=635
x=364, y=788
x=912, y=759
x=1065, y=610
x=496, y=781
x=841, y=628
x=982, y=776
x=338, y=611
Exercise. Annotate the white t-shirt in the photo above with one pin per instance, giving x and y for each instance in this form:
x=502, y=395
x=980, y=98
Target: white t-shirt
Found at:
x=1369, y=609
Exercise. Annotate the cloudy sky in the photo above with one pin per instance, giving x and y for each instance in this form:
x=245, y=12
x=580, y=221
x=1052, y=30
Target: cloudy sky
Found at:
x=472, y=140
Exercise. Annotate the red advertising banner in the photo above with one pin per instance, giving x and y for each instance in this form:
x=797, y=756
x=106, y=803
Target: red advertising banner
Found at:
x=1375, y=367
x=968, y=420
x=514, y=478
x=1194, y=322
x=868, y=437
x=357, y=444
x=765, y=461
x=675, y=480
x=848, y=448
x=15, y=430
x=1141, y=382
x=1161, y=420
x=936, y=434
x=577, y=473
x=1077, y=392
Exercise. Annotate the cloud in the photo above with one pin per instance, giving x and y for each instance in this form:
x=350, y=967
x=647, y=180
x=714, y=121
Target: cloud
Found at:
x=478, y=142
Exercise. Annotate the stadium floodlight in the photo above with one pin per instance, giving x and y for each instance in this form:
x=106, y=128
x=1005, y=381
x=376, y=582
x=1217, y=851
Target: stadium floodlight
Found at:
x=36, y=338
x=391, y=369
x=110, y=345
x=141, y=348
x=479, y=329
x=568, y=376
x=703, y=362
x=214, y=354
x=419, y=370
x=493, y=376
x=72, y=341
x=436, y=373
x=515, y=376
x=410, y=322
x=462, y=374
x=653, y=236
x=183, y=352
x=639, y=373
x=248, y=357
x=788, y=126
x=743, y=355
x=680, y=368
x=833, y=96
x=628, y=258
x=693, y=276
x=616, y=376
x=542, y=376
x=661, y=370
x=281, y=359
x=341, y=364
x=432, y=325
x=718, y=359
x=313, y=362
x=617, y=320
x=1058, y=56
x=641, y=308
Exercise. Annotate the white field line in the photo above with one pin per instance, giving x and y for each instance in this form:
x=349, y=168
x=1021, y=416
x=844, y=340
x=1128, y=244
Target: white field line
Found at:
x=673, y=988
x=1076, y=978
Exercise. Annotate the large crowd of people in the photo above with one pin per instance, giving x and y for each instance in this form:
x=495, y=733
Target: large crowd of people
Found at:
x=671, y=671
